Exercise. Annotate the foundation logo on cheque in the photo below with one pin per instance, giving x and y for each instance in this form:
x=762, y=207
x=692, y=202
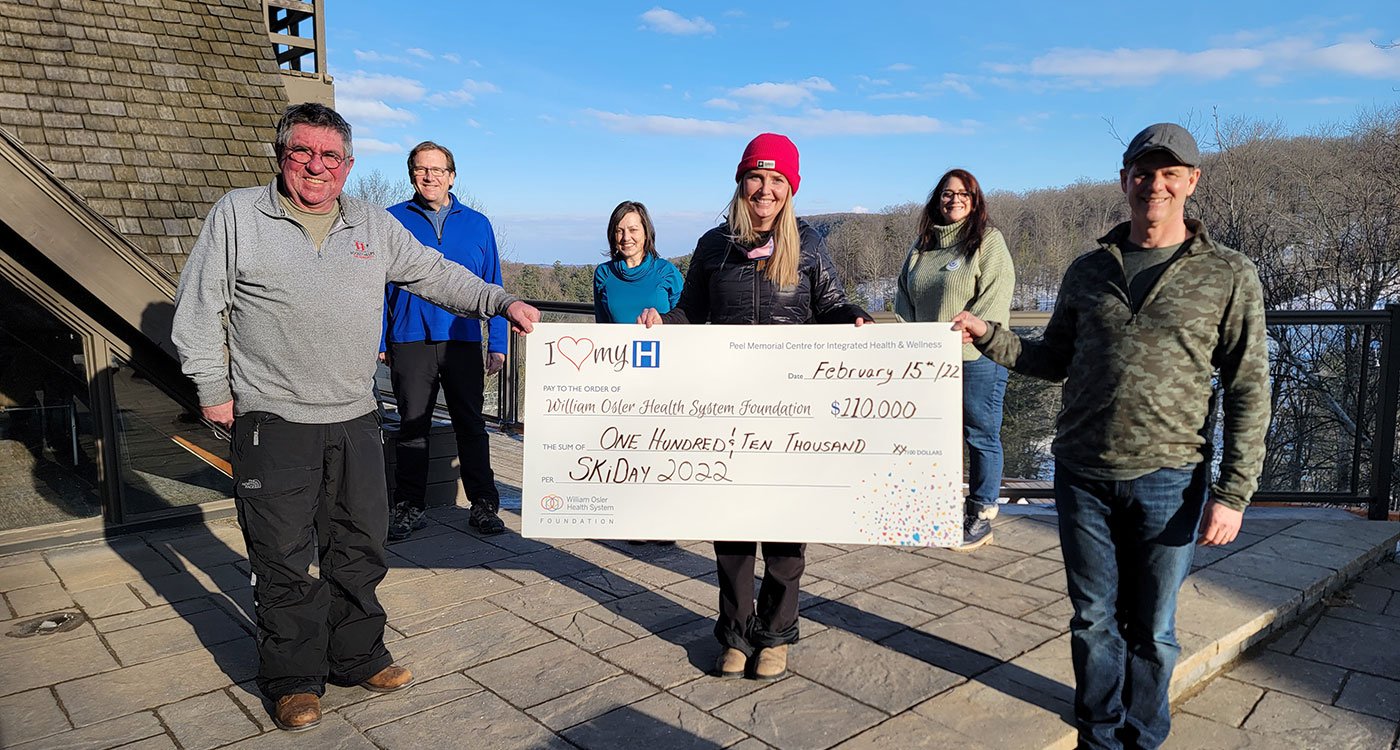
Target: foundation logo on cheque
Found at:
x=551, y=503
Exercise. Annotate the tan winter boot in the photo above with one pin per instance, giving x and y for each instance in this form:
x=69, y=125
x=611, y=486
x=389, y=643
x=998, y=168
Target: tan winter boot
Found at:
x=731, y=663
x=772, y=664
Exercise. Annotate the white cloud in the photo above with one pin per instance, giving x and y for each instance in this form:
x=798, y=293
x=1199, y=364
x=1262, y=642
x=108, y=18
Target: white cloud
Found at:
x=666, y=124
x=465, y=95
x=950, y=82
x=899, y=67
x=783, y=94
x=480, y=87
x=375, y=146
x=372, y=56
x=1032, y=121
x=453, y=58
x=859, y=210
x=670, y=22
x=1129, y=66
x=1359, y=58
x=420, y=53
x=720, y=103
x=781, y=23
x=372, y=110
x=872, y=81
x=953, y=82
x=1268, y=61
x=811, y=122
x=473, y=123
x=843, y=122
x=901, y=95
x=362, y=85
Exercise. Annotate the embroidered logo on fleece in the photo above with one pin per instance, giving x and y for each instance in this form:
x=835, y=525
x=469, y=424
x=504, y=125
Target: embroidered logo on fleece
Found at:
x=251, y=484
x=362, y=251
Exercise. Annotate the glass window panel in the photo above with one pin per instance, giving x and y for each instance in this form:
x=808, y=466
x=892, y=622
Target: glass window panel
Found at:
x=166, y=455
x=48, y=466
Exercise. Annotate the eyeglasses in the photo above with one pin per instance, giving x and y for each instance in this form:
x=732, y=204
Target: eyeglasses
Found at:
x=303, y=155
x=434, y=171
x=955, y=195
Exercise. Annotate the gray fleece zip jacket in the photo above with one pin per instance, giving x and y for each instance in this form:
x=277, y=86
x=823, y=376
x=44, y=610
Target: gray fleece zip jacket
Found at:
x=265, y=318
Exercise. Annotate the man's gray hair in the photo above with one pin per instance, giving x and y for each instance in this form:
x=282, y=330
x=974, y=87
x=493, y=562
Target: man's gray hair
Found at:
x=317, y=115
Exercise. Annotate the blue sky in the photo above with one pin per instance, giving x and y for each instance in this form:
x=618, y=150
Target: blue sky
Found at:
x=558, y=111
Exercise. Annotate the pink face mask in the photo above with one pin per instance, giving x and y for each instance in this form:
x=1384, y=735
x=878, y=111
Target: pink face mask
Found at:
x=762, y=251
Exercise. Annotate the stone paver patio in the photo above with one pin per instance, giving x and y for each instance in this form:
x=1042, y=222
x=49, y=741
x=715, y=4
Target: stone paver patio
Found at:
x=1330, y=680
x=522, y=643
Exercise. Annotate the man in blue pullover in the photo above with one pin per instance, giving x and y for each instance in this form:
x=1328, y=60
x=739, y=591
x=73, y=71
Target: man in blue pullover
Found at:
x=428, y=348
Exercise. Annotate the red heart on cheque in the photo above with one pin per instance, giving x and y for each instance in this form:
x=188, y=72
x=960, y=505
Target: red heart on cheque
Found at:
x=575, y=350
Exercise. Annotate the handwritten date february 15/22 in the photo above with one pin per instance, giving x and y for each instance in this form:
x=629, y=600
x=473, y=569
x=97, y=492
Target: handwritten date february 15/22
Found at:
x=911, y=370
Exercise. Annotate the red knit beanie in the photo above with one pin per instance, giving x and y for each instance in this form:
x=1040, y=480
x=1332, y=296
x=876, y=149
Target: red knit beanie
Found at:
x=771, y=151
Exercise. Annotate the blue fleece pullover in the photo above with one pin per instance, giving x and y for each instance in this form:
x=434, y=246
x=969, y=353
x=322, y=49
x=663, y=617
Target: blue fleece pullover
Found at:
x=468, y=240
x=620, y=293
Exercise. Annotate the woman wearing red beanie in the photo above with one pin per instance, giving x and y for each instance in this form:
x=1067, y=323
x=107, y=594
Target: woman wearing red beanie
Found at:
x=761, y=267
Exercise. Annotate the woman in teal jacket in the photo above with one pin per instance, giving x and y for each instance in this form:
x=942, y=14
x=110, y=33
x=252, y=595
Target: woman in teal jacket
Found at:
x=636, y=277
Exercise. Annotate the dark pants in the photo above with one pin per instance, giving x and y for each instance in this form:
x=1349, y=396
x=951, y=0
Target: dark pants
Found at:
x=984, y=390
x=775, y=622
x=417, y=370
x=1128, y=547
x=313, y=494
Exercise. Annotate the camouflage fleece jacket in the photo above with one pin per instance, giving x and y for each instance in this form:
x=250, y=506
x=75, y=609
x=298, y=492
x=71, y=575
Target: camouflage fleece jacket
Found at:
x=1137, y=392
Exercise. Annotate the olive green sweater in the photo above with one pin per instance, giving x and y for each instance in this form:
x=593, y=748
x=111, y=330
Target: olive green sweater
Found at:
x=940, y=281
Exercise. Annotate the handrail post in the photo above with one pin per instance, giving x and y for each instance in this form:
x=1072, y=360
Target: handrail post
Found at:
x=507, y=385
x=1383, y=447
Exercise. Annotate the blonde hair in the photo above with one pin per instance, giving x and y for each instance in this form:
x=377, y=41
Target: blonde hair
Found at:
x=787, y=243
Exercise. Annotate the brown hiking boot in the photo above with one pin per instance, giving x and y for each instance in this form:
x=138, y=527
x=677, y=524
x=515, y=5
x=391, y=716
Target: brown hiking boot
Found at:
x=731, y=663
x=389, y=679
x=297, y=712
x=772, y=664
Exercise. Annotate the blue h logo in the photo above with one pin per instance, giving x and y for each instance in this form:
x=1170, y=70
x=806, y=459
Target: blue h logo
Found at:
x=646, y=353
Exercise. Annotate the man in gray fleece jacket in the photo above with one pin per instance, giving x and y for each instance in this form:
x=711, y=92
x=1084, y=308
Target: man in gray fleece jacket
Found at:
x=277, y=322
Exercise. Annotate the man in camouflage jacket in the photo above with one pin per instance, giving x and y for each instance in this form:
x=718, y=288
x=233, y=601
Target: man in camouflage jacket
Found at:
x=1140, y=326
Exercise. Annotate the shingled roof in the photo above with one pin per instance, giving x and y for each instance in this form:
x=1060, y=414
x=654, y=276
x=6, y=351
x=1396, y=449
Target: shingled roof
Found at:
x=148, y=109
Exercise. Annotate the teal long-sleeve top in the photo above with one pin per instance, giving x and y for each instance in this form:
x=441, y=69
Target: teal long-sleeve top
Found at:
x=620, y=293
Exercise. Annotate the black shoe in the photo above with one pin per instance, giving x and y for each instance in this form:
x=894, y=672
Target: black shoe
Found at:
x=483, y=518
x=406, y=520
x=977, y=530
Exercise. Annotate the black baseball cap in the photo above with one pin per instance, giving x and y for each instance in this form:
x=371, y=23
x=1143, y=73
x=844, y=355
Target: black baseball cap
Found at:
x=1164, y=136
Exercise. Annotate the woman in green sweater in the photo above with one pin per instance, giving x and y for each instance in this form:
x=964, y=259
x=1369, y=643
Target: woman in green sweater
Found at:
x=959, y=262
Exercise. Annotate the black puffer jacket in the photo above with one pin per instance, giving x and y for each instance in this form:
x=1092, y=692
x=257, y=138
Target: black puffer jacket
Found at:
x=723, y=286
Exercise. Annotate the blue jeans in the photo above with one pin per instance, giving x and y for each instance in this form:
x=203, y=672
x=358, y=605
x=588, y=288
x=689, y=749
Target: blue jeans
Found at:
x=984, y=389
x=1127, y=548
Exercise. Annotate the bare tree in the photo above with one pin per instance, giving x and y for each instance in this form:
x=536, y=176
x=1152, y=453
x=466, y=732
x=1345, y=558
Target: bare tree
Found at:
x=378, y=189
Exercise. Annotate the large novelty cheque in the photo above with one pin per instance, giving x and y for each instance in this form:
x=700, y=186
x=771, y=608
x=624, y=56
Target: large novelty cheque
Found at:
x=815, y=433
